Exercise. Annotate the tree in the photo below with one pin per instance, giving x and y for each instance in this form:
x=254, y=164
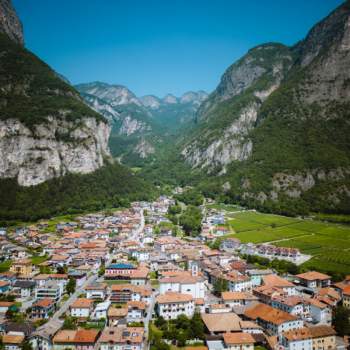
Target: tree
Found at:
x=71, y=285
x=27, y=345
x=69, y=323
x=101, y=271
x=61, y=269
x=197, y=326
x=341, y=320
x=220, y=285
x=160, y=322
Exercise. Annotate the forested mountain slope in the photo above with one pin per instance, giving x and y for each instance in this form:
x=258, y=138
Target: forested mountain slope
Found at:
x=276, y=130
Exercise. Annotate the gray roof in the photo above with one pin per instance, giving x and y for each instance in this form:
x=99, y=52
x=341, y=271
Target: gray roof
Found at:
x=24, y=284
x=48, y=330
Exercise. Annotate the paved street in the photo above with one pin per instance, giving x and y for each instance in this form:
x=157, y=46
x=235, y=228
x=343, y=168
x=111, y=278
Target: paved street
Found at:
x=64, y=307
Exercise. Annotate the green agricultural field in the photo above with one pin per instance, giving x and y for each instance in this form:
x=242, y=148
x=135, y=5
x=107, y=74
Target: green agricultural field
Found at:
x=328, y=243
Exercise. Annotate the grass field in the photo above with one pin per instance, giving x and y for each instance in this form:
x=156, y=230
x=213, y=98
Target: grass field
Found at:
x=5, y=265
x=37, y=260
x=328, y=243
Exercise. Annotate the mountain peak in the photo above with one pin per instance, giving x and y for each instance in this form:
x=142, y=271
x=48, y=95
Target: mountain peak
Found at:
x=10, y=23
x=170, y=99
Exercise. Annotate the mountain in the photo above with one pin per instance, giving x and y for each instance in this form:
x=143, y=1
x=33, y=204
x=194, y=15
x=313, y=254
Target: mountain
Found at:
x=10, y=23
x=47, y=132
x=140, y=125
x=275, y=132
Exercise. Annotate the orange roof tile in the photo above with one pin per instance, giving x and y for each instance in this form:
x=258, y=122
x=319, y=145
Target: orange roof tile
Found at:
x=174, y=297
x=313, y=275
x=238, y=338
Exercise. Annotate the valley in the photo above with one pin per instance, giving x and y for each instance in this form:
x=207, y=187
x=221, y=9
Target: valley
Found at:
x=199, y=220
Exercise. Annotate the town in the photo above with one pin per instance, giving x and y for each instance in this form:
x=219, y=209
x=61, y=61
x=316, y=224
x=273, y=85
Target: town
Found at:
x=131, y=279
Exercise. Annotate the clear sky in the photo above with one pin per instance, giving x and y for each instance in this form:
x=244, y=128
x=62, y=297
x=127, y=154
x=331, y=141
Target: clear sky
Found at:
x=159, y=46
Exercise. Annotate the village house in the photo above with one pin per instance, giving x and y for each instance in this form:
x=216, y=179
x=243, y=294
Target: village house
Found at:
x=136, y=311
x=41, y=338
x=183, y=282
x=96, y=291
x=5, y=306
x=43, y=309
x=81, y=339
x=115, y=314
x=218, y=324
x=122, y=293
x=314, y=279
x=81, y=308
x=238, y=298
x=127, y=272
x=275, y=281
x=23, y=267
x=320, y=312
x=24, y=288
x=101, y=310
x=312, y=338
x=49, y=290
x=121, y=338
x=173, y=304
x=238, y=282
x=294, y=305
x=238, y=341
x=13, y=341
x=274, y=321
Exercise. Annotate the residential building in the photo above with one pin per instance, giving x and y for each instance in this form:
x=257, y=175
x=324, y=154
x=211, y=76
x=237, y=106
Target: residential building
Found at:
x=23, y=267
x=81, y=339
x=312, y=338
x=218, y=324
x=81, y=308
x=41, y=338
x=25, y=288
x=121, y=338
x=320, y=312
x=314, y=279
x=183, y=282
x=238, y=341
x=136, y=311
x=13, y=341
x=173, y=304
x=96, y=291
x=49, y=290
x=43, y=308
x=275, y=321
x=238, y=298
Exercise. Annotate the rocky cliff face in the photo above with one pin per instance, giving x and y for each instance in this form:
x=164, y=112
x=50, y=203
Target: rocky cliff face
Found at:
x=52, y=149
x=46, y=130
x=230, y=113
x=276, y=128
x=10, y=23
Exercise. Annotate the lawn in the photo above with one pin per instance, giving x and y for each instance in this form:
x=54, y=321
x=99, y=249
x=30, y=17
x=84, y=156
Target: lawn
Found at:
x=37, y=260
x=5, y=265
x=51, y=223
x=328, y=243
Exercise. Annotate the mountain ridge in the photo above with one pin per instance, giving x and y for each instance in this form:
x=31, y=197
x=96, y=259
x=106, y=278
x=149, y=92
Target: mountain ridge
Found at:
x=279, y=142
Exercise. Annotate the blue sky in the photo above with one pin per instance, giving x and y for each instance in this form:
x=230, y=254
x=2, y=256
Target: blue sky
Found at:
x=159, y=46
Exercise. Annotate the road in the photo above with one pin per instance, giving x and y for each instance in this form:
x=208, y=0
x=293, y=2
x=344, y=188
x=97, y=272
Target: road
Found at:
x=148, y=319
x=64, y=307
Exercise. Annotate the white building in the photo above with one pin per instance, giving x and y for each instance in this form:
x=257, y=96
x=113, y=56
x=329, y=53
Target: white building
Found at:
x=96, y=291
x=183, y=282
x=81, y=308
x=320, y=312
x=49, y=290
x=172, y=304
x=101, y=310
